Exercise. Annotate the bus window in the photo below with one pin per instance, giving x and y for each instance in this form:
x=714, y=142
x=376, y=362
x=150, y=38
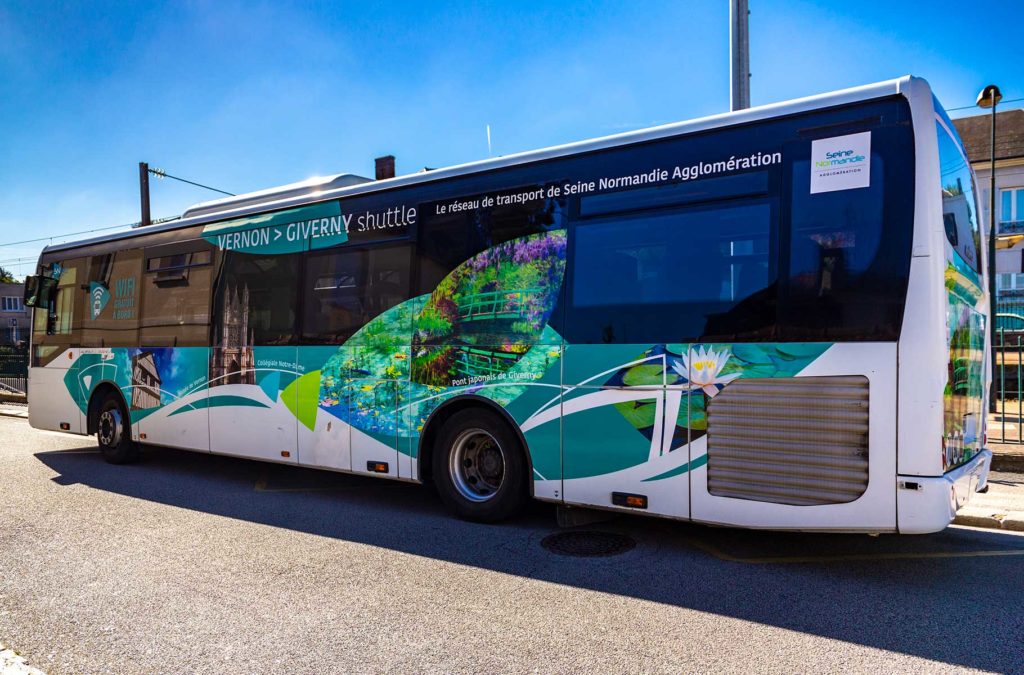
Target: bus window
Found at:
x=346, y=288
x=113, y=300
x=961, y=223
x=175, y=302
x=255, y=300
x=58, y=325
x=845, y=281
x=675, y=276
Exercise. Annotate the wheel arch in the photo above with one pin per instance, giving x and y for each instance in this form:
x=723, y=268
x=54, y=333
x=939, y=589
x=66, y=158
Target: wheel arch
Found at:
x=435, y=421
x=96, y=398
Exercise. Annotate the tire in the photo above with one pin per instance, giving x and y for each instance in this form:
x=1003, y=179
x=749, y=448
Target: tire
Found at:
x=480, y=467
x=113, y=432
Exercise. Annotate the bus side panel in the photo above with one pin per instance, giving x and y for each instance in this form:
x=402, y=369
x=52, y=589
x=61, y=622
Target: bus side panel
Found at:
x=324, y=434
x=875, y=509
x=622, y=428
x=923, y=357
x=52, y=401
x=178, y=415
x=253, y=405
x=922, y=353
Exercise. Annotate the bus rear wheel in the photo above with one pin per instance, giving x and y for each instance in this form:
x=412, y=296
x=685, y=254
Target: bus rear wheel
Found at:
x=479, y=467
x=113, y=432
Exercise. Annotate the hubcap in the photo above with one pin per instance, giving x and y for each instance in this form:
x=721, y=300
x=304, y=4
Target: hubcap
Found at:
x=109, y=431
x=476, y=465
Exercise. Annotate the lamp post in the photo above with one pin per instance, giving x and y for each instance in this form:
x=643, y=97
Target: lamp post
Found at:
x=989, y=98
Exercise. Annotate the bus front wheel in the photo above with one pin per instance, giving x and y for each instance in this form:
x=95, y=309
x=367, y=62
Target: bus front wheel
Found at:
x=113, y=432
x=479, y=467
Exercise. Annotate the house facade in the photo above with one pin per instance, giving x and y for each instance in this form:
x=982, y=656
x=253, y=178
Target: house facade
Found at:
x=15, y=319
x=976, y=133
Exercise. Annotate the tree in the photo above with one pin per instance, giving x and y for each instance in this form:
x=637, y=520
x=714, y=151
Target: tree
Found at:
x=6, y=277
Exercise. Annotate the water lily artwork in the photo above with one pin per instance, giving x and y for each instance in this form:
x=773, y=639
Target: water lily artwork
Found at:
x=704, y=369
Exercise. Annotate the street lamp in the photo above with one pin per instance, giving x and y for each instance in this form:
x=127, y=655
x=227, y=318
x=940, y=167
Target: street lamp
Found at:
x=989, y=98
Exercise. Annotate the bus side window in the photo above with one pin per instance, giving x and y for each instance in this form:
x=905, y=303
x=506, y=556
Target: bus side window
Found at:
x=680, y=275
x=112, y=305
x=59, y=325
x=255, y=301
x=63, y=314
x=346, y=288
x=176, y=295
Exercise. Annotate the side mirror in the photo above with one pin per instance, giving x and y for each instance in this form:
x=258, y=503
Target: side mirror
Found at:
x=31, y=298
x=39, y=291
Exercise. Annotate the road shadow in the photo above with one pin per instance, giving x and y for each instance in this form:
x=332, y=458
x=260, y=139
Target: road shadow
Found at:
x=953, y=597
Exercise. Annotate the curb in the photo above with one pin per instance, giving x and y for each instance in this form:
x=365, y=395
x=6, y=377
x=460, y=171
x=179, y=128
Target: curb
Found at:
x=10, y=412
x=973, y=516
x=1012, y=463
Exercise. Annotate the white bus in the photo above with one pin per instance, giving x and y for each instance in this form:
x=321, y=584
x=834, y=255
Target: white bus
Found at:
x=772, y=318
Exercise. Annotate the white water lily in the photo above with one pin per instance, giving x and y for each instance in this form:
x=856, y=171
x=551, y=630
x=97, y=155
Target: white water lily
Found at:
x=704, y=368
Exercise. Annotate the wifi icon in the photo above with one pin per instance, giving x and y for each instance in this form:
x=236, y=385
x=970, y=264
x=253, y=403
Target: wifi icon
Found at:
x=100, y=297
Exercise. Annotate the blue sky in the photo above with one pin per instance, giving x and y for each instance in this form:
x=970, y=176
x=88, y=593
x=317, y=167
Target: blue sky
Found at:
x=244, y=96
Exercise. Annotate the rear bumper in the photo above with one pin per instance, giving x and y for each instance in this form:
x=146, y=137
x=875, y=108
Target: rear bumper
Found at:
x=929, y=504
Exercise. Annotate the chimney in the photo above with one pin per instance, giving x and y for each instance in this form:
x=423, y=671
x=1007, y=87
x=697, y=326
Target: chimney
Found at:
x=385, y=167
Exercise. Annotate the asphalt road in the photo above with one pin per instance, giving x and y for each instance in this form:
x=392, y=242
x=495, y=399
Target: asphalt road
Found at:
x=190, y=562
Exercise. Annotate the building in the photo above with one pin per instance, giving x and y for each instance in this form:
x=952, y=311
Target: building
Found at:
x=232, y=360
x=15, y=320
x=145, y=382
x=976, y=133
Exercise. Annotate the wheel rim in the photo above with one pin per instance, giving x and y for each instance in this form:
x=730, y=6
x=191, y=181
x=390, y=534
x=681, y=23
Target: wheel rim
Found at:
x=476, y=465
x=109, y=430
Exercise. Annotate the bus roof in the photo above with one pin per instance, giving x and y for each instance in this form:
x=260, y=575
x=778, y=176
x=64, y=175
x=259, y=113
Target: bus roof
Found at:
x=348, y=185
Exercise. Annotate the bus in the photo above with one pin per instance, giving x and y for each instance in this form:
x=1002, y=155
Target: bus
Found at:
x=772, y=318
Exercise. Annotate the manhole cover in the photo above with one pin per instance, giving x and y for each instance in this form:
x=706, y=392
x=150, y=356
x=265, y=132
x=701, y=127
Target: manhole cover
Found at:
x=587, y=543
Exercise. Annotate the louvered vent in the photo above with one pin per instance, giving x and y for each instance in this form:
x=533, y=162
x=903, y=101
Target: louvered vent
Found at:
x=800, y=440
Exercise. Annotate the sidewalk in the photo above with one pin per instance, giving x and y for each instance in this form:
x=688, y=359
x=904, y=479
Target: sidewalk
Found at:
x=1007, y=457
x=13, y=410
x=1002, y=507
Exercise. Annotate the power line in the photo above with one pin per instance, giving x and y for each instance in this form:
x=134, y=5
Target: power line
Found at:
x=1003, y=102
x=160, y=173
x=97, y=229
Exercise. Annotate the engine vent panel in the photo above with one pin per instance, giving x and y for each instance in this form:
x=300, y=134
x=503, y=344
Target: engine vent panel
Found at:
x=800, y=440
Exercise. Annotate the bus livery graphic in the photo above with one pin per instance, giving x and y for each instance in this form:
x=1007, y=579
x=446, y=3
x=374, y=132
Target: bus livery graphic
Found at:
x=734, y=320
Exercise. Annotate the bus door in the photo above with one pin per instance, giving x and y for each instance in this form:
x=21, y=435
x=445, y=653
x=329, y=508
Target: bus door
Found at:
x=56, y=338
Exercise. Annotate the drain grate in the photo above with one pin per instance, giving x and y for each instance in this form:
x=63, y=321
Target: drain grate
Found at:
x=587, y=543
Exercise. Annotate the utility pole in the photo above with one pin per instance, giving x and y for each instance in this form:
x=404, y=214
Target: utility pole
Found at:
x=144, y=194
x=739, y=54
x=990, y=97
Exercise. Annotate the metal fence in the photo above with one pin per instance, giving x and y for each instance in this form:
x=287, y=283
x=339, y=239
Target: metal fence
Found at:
x=14, y=374
x=1006, y=421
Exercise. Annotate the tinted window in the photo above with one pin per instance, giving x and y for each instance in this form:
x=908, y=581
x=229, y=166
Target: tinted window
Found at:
x=256, y=300
x=346, y=288
x=673, y=276
x=961, y=222
x=847, y=271
x=113, y=300
x=449, y=239
x=176, y=307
